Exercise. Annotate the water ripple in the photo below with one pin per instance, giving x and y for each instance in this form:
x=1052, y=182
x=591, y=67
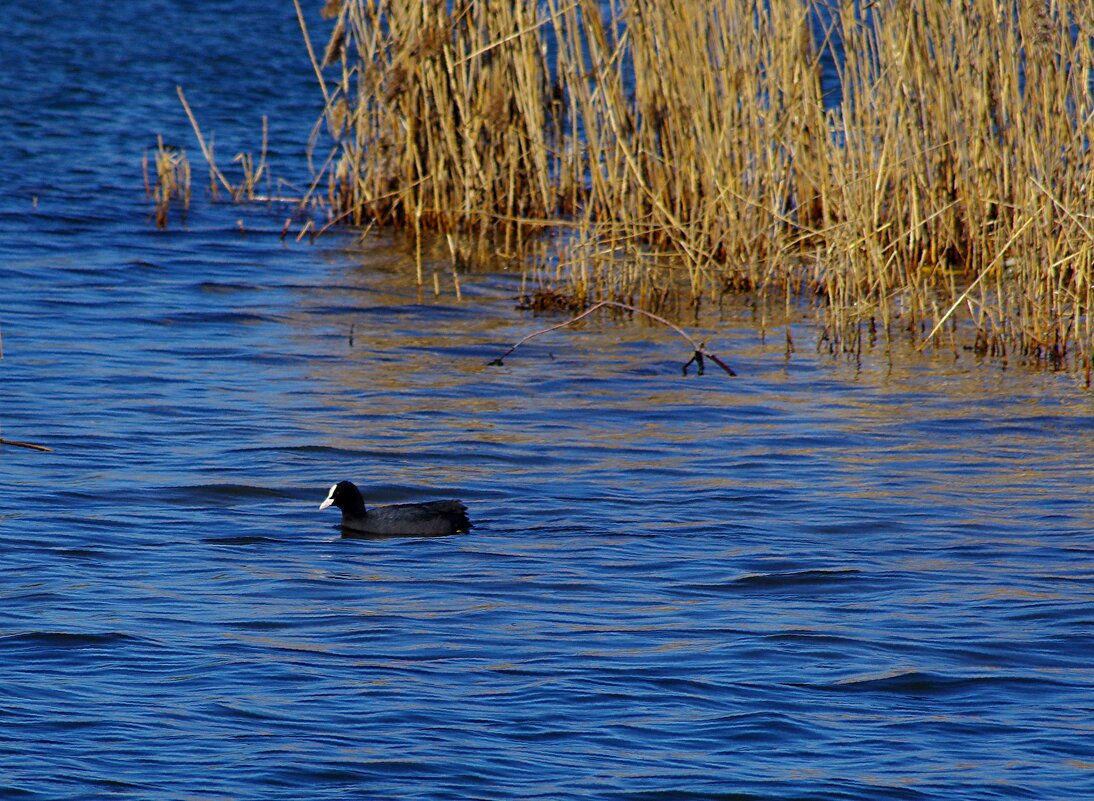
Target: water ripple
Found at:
x=821, y=580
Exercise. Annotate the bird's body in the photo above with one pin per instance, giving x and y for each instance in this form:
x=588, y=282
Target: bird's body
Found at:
x=435, y=518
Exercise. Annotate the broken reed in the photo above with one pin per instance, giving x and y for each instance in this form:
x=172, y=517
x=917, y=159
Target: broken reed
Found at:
x=173, y=172
x=252, y=173
x=172, y=180
x=690, y=150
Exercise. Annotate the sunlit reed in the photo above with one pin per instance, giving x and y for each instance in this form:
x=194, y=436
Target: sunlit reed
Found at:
x=680, y=151
x=172, y=181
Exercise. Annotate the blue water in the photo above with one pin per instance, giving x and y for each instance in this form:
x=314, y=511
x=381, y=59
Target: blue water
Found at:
x=825, y=579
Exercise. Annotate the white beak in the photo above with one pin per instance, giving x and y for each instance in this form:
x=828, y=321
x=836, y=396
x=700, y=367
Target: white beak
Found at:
x=325, y=504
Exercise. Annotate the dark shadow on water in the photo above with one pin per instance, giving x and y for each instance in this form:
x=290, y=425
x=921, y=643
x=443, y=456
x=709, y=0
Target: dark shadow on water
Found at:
x=239, y=540
x=350, y=534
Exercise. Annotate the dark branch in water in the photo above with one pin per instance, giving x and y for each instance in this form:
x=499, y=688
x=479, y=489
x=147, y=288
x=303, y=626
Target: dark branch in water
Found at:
x=699, y=350
x=25, y=445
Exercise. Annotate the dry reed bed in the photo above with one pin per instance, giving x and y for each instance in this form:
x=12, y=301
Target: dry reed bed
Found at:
x=682, y=150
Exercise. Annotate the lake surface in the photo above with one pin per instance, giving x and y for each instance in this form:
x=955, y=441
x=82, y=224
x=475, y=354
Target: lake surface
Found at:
x=823, y=579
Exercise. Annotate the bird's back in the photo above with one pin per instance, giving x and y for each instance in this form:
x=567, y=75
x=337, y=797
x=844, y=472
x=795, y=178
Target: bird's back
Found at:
x=425, y=519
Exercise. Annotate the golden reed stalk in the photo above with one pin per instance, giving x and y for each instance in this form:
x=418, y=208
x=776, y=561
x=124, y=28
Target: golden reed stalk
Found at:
x=687, y=149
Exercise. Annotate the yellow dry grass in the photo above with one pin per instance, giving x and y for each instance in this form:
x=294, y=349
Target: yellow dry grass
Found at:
x=172, y=180
x=678, y=151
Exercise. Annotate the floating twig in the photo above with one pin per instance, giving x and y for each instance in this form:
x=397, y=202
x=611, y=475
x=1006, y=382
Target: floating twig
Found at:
x=32, y=446
x=699, y=350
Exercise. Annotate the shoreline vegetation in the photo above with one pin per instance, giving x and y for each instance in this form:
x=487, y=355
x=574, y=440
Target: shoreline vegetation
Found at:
x=916, y=168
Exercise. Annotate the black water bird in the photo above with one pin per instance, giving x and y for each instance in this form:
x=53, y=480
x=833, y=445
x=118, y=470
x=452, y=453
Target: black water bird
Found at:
x=435, y=518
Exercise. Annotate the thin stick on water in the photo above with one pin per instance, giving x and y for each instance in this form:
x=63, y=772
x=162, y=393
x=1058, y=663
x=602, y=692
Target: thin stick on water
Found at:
x=699, y=350
x=30, y=445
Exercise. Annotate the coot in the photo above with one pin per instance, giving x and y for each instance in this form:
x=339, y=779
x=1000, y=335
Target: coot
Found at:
x=423, y=519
